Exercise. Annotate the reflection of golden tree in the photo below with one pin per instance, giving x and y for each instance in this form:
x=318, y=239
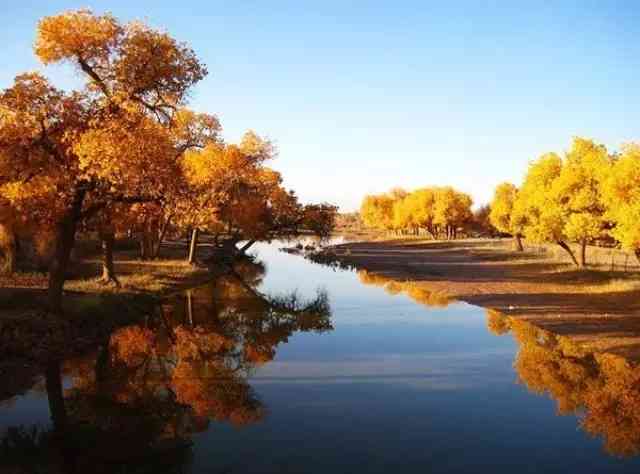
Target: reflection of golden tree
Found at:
x=201, y=352
x=603, y=389
x=150, y=386
x=196, y=342
x=497, y=323
x=415, y=291
x=214, y=391
x=131, y=345
x=613, y=406
x=543, y=366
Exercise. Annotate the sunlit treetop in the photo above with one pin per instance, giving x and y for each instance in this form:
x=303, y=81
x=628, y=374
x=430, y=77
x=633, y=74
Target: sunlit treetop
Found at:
x=36, y=139
x=120, y=137
x=533, y=209
x=621, y=193
x=504, y=198
x=126, y=62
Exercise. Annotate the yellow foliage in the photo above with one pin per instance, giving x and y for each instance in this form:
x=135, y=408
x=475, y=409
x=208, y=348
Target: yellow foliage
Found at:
x=426, y=208
x=135, y=157
x=533, y=210
x=77, y=32
x=561, y=200
x=501, y=212
x=451, y=208
x=622, y=196
x=376, y=211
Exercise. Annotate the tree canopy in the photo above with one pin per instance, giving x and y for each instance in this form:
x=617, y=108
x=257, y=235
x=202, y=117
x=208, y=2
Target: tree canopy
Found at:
x=125, y=152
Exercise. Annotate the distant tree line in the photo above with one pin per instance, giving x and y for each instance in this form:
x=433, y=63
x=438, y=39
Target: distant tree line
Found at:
x=442, y=212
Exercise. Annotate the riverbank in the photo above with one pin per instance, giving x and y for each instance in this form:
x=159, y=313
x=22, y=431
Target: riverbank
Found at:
x=597, y=308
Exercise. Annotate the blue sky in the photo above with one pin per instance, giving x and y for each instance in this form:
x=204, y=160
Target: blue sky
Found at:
x=364, y=96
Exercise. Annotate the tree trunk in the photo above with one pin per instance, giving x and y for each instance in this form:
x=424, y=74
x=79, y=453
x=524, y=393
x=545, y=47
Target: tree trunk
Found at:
x=9, y=249
x=143, y=255
x=518, y=243
x=146, y=245
x=65, y=240
x=65, y=236
x=108, y=270
x=564, y=245
x=583, y=254
x=163, y=233
x=637, y=254
x=193, y=246
x=247, y=246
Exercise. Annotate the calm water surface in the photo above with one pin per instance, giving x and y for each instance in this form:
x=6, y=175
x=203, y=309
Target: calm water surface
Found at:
x=384, y=379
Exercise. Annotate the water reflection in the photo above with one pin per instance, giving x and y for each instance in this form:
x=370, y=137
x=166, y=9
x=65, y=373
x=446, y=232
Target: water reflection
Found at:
x=603, y=390
x=207, y=384
x=134, y=404
x=417, y=292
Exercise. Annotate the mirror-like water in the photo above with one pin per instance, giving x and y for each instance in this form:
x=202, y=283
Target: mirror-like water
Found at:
x=349, y=374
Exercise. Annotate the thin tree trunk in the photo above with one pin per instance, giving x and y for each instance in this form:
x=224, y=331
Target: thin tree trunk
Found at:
x=108, y=270
x=146, y=244
x=637, y=254
x=583, y=254
x=143, y=255
x=148, y=241
x=518, y=242
x=193, y=246
x=247, y=246
x=10, y=251
x=163, y=233
x=65, y=239
x=564, y=245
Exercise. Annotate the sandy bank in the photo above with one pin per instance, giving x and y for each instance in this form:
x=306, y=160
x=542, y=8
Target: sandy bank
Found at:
x=600, y=310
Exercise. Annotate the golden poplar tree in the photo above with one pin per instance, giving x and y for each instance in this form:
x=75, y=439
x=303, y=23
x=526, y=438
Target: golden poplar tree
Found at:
x=68, y=156
x=501, y=212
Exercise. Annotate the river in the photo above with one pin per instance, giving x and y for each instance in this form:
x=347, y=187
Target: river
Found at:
x=350, y=373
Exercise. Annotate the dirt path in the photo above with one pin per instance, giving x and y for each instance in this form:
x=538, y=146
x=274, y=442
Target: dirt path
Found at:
x=600, y=310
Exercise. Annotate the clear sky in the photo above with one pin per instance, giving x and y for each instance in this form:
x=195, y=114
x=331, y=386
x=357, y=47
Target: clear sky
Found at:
x=364, y=96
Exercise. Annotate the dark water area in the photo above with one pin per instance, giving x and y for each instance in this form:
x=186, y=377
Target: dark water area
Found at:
x=283, y=365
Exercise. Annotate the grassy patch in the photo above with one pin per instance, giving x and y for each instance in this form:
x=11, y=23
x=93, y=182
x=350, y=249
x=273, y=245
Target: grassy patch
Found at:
x=144, y=279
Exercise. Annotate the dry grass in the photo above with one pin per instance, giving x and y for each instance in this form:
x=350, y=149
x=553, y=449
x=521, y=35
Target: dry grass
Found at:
x=24, y=280
x=601, y=258
x=25, y=292
x=146, y=278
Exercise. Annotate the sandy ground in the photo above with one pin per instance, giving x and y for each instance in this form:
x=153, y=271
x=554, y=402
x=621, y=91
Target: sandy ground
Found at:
x=600, y=310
